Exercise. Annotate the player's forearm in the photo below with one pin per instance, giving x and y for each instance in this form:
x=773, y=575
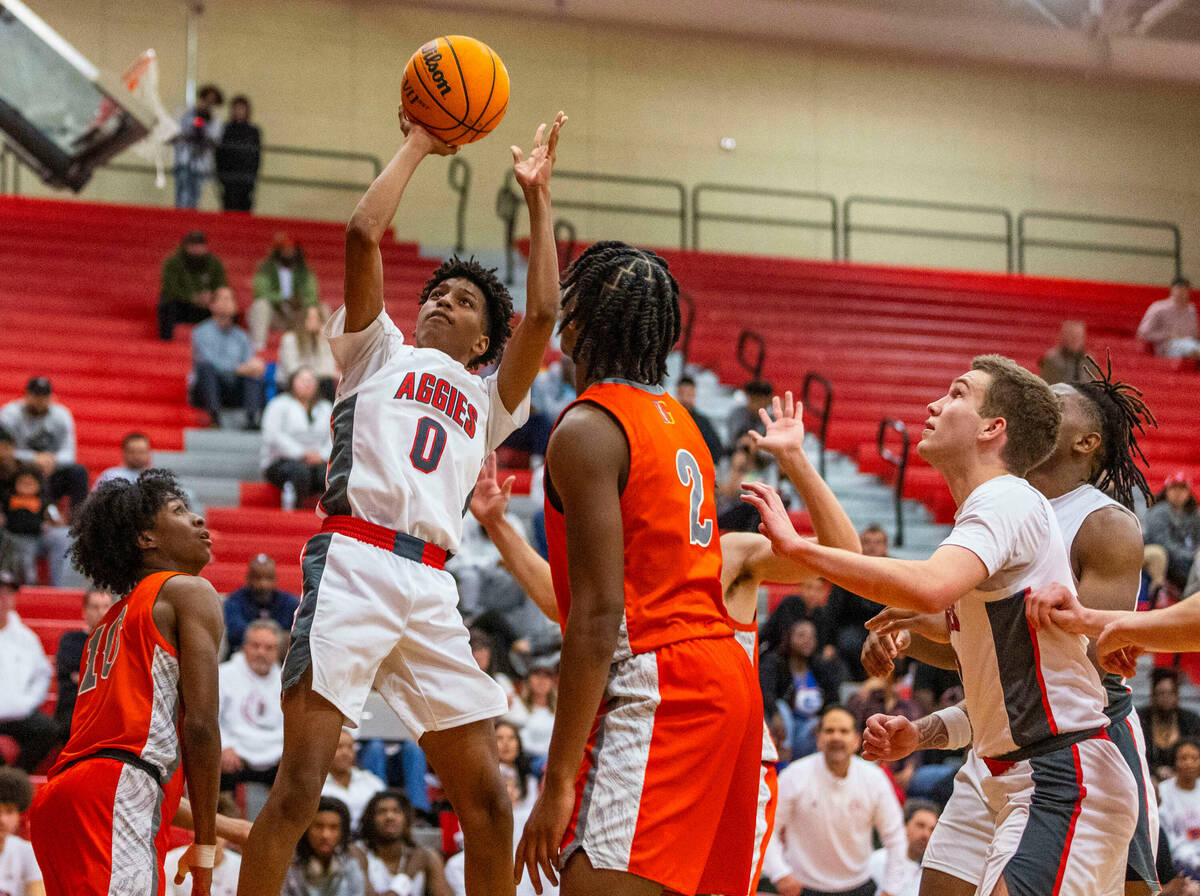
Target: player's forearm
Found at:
x=526, y=565
x=233, y=830
x=201, y=742
x=905, y=584
x=1175, y=629
x=374, y=212
x=829, y=520
x=933, y=653
x=541, y=284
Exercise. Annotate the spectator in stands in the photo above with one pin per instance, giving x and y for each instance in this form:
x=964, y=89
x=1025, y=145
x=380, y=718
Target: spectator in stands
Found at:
x=284, y=286
x=1165, y=722
x=135, y=460
x=348, y=783
x=25, y=676
x=829, y=805
x=1179, y=808
x=920, y=818
x=19, y=872
x=513, y=756
x=539, y=693
x=881, y=694
x=1169, y=324
x=685, y=394
x=848, y=612
x=797, y=685
x=227, y=371
x=10, y=556
x=326, y=862
x=251, y=718
x=305, y=345
x=70, y=654
x=190, y=277
x=199, y=132
x=483, y=648
x=1173, y=524
x=386, y=833
x=238, y=154
x=1067, y=361
x=44, y=434
x=744, y=418
x=296, y=440
x=35, y=526
x=746, y=464
x=258, y=599
x=810, y=601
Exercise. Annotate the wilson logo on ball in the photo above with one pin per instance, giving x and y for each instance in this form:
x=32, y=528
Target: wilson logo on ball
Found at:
x=432, y=57
x=456, y=88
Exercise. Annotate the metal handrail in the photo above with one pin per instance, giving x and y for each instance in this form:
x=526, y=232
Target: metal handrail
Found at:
x=507, y=204
x=458, y=175
x=697, y=215
x=9, y=160
x=1007, y=240
x=900, y=462
x=745, y=339
x=568, y=235
x=687, y=320
x=823, y=414
x=679, y=212
x=1175, y=252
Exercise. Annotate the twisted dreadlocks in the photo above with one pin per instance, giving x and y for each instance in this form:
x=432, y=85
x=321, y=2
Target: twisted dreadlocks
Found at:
x=495, y=296
x=1117, y=411
x=626, y=305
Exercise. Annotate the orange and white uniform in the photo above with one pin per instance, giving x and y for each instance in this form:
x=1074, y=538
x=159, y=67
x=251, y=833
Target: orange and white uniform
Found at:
x=668, y=786
x=101, y=824
x=768, y=779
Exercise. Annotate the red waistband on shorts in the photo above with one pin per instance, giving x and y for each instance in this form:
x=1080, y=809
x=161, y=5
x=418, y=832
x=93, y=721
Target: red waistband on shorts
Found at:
x=399, y=543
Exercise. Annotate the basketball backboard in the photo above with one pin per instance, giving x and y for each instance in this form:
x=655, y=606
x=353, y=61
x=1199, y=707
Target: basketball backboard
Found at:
x=58, y=112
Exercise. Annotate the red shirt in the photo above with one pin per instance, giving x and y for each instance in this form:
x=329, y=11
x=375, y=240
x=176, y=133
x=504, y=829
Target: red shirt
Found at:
x=669, y=521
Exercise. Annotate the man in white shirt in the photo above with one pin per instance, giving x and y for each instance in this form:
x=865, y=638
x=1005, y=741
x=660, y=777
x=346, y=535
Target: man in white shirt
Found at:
x=19, y=872
x=920, y=818
x=135, y=460
x=296, y=440
x=1034, y=699
x=24, y=682
x=829, y=805
x=251, y=719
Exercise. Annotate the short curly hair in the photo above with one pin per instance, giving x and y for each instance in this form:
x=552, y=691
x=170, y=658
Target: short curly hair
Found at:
x=106, y=529
x=495, y=295
x=15, y=788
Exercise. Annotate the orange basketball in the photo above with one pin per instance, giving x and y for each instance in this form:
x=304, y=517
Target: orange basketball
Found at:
x=456, y=88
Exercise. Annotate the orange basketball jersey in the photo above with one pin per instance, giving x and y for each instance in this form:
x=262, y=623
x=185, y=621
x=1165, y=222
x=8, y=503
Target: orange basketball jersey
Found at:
x=672, y=546
x=128, y=688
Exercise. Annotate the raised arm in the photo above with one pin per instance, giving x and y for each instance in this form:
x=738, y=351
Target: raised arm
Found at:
x=371, y=219
x=588, y=457
x=523, y=355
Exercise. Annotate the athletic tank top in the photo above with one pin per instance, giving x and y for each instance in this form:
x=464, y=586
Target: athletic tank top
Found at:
x=129, y=688
x=672, y=547
x=1071, y=510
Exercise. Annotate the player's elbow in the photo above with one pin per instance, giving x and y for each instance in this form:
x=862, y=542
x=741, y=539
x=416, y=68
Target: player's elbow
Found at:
x=362, y=232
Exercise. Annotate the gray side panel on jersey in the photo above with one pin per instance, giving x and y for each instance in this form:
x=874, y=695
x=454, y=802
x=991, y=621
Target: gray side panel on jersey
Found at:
x=1141, y=864
x=162, y=740
x=137, y=808
x=1119, y=697
x=1057, y=793
x=336, y=500
x=1016, y=657
x=299, y=655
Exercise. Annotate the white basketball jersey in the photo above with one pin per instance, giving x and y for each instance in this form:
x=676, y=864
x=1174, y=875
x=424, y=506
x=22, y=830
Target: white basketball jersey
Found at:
x=1071, y=510
x=748, y=638
x=411, y=429
x=1022, y=686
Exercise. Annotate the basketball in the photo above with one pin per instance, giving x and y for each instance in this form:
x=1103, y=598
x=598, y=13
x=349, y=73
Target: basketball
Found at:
x=456, y=88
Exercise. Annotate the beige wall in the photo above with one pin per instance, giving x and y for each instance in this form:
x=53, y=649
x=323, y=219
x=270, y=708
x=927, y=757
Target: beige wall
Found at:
x=326, y=73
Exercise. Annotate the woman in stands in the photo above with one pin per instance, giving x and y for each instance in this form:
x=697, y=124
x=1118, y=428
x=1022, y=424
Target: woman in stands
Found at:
x=304, y=345
x=325, y=861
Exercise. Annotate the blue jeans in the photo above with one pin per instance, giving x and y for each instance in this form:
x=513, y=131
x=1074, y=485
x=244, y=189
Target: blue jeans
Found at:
x=188, y=184
x=405, y=767
x=215, y=389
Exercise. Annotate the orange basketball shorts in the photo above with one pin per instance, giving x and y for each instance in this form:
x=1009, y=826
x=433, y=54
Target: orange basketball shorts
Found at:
x=668, y=787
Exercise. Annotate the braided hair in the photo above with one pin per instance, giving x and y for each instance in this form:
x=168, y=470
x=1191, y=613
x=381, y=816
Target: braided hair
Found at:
x=626, y=305
x=1118, y=411
x=106, y=529
x=495, y=295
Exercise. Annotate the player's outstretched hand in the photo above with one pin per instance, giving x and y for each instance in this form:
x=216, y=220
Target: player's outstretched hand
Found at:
x=889, y=738
x=880, y=651
x=421, y=138
x=201, y=877
x=489, y=501
x=539, y=847
x=776, y=524
x=535, y=171
x=1056, y=604
x=892, y=620
x=1116, y=651
x=785, y=427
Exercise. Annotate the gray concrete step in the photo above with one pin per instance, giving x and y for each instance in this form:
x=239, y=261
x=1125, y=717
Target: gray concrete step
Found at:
x=241, y=465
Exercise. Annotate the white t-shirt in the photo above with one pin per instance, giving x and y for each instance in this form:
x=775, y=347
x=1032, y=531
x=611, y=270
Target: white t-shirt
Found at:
x=1179, y=815
x=910, y=879
x=363, y=786
x=250, y=717
x=535, y=735
x=18, y=867
x=289, y=431
x=823, y=825
x=1021, y=686
x=224, y=879
x=411, y=429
